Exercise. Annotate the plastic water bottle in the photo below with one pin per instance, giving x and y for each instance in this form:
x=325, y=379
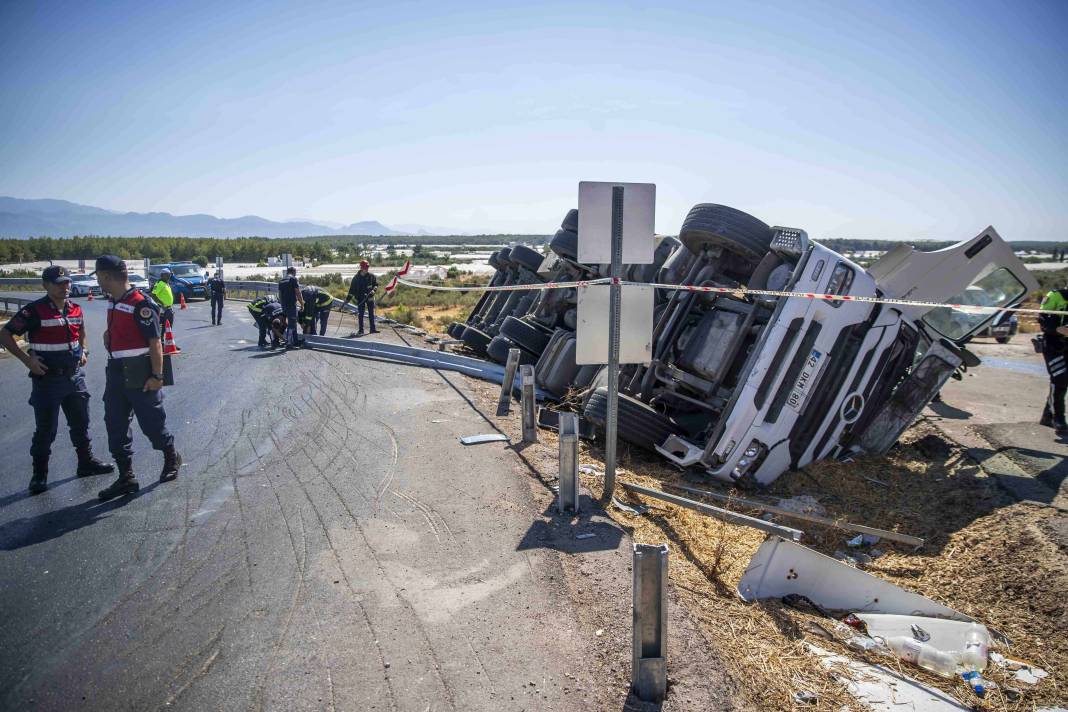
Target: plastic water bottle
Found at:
x=922, y=654
x=976, y=649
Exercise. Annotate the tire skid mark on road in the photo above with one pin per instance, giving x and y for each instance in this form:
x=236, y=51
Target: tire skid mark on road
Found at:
x=407, y=605
x=205, y=668
x=337, y=558
x=429, y=521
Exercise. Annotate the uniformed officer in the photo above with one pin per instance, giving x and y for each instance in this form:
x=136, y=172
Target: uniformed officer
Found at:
x=362, y=294
x=134, y=350
x=289, y=295
x=257, y=308
x=317, y=303
x=1055, y=353
x=56, y=355
x=217, y=289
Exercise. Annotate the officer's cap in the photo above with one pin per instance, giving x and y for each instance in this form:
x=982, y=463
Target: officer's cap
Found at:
x=164, y=271
x=55, y=275
x=109, y=263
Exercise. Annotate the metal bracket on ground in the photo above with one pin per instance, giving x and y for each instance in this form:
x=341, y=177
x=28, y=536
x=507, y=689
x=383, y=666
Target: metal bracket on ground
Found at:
x=649, y=665
x=568, y=498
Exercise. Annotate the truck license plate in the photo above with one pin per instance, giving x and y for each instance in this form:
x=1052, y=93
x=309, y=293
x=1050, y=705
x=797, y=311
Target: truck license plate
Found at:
x=804, y=381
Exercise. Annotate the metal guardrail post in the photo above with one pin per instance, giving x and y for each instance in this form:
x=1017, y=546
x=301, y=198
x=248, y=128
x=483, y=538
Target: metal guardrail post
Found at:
x=504, y=404
x=530, y=422
x=569, y=482
x=649, y=666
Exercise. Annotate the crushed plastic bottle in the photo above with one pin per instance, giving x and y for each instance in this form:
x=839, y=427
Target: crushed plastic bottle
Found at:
x=976, y=682
x=923, y=655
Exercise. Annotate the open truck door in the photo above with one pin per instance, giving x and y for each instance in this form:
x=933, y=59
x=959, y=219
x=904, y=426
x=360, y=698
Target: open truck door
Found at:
x=983, y=271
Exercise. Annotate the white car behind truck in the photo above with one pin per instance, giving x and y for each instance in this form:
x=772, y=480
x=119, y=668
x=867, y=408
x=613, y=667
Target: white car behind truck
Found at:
x=746, y=388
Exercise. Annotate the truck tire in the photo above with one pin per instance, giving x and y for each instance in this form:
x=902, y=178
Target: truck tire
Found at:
x=476, y=340
x=711, y=225
x=570, y=221
x=525, y=334
x=499, y=347
x=1003, y=339
x=565, y=244
x=638, y=424
x=456, y=330
x=492, y=261
x=526, y=257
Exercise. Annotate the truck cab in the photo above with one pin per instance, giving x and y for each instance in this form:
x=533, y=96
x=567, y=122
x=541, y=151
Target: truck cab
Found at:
x=190, y=273
x=746, y=387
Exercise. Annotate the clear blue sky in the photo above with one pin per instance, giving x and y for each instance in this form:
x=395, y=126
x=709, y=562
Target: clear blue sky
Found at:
x=851, y=119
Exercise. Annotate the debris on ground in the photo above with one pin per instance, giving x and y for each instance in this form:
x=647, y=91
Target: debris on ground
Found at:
x=479, y=439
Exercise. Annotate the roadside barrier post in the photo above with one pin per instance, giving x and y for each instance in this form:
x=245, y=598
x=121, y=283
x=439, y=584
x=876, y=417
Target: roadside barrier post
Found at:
x=530, y=424
x=569, y=484
x=649, y=667
x=504, y=405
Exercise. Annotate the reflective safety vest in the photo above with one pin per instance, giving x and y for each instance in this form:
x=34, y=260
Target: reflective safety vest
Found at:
x=53, y=334
x=127, y=332
x=256, y=307
x=324, y=300
x=163, y=294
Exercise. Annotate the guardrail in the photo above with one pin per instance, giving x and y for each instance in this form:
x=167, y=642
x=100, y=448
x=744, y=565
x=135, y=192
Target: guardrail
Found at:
x=20, y=282
x=10, y=305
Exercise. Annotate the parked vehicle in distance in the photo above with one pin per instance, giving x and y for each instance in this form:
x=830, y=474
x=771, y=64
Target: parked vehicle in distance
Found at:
x=1003, y=328
x=81, y=285
x=191, y=273
x=138, y=281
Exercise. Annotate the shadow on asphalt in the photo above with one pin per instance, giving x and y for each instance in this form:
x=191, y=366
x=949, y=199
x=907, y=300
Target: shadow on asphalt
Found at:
x=27, y=531
x=265, y=354
x=947, y=411
x=19, y=496
x=562, y=531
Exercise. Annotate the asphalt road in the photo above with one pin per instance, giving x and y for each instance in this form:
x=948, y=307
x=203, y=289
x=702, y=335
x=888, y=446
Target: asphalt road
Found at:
x=328, y=545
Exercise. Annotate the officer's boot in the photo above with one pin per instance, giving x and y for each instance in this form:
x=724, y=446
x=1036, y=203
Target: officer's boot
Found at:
x=89, y=465
x=125, y=484
x=39, y=481
x=171, y=462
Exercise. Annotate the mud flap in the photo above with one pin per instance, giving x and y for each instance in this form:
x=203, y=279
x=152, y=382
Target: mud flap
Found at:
x=910, y=397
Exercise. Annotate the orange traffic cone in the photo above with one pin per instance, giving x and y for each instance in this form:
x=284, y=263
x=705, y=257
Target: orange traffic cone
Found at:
x=169, y=347
x=181, y=300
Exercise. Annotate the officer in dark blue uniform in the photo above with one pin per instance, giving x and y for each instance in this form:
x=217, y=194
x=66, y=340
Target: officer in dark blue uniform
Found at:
x=134, y=376
x=56, y=354
x=292, y=301
x=217, y=289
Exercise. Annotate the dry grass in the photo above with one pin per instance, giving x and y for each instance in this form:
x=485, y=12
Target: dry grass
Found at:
x=984, y=555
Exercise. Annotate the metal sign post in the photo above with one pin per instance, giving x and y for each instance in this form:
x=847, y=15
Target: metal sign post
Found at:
x=219, y=265
x=615, y=223
x=615, y=271
x=649, y=664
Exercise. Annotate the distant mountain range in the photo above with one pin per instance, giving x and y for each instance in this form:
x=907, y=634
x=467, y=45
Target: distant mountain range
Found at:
x=22, y=218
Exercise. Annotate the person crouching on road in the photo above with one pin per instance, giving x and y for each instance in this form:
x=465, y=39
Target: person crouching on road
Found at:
x=317, y=303
x=56, y=356
x=134, y=377
x=274, y=320
x=217, y=289
x=256, y=308
x=362, y=294
x=292, y=300
x=1055, y=353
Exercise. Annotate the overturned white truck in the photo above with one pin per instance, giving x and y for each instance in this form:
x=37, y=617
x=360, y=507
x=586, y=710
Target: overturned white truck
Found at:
x=745, y=388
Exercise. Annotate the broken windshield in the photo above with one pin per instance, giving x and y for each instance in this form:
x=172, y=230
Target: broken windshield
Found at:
x=998, y=288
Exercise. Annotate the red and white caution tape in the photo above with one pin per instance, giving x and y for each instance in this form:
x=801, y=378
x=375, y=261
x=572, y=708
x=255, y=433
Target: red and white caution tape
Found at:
x=736, y=291
x=400, y=273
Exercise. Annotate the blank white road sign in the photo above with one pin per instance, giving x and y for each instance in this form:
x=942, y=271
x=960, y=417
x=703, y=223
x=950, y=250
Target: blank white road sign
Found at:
x=595, y=222
x=635, y=324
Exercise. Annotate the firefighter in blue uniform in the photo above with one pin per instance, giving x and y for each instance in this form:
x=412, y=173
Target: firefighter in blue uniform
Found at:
x=56, y=355
x=258, y=308
x=134, y=376
x=217, y=289
x=317, y=303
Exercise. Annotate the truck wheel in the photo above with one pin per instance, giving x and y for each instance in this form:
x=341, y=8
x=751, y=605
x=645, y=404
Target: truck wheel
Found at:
x=476, y=340
x=456, y=329
x=526, y=257
x=565, y=244
x=1003, y=339
x=711, y=225
x=638, y=424
x=525, y=334
x=499, y=347
x=570, y=221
